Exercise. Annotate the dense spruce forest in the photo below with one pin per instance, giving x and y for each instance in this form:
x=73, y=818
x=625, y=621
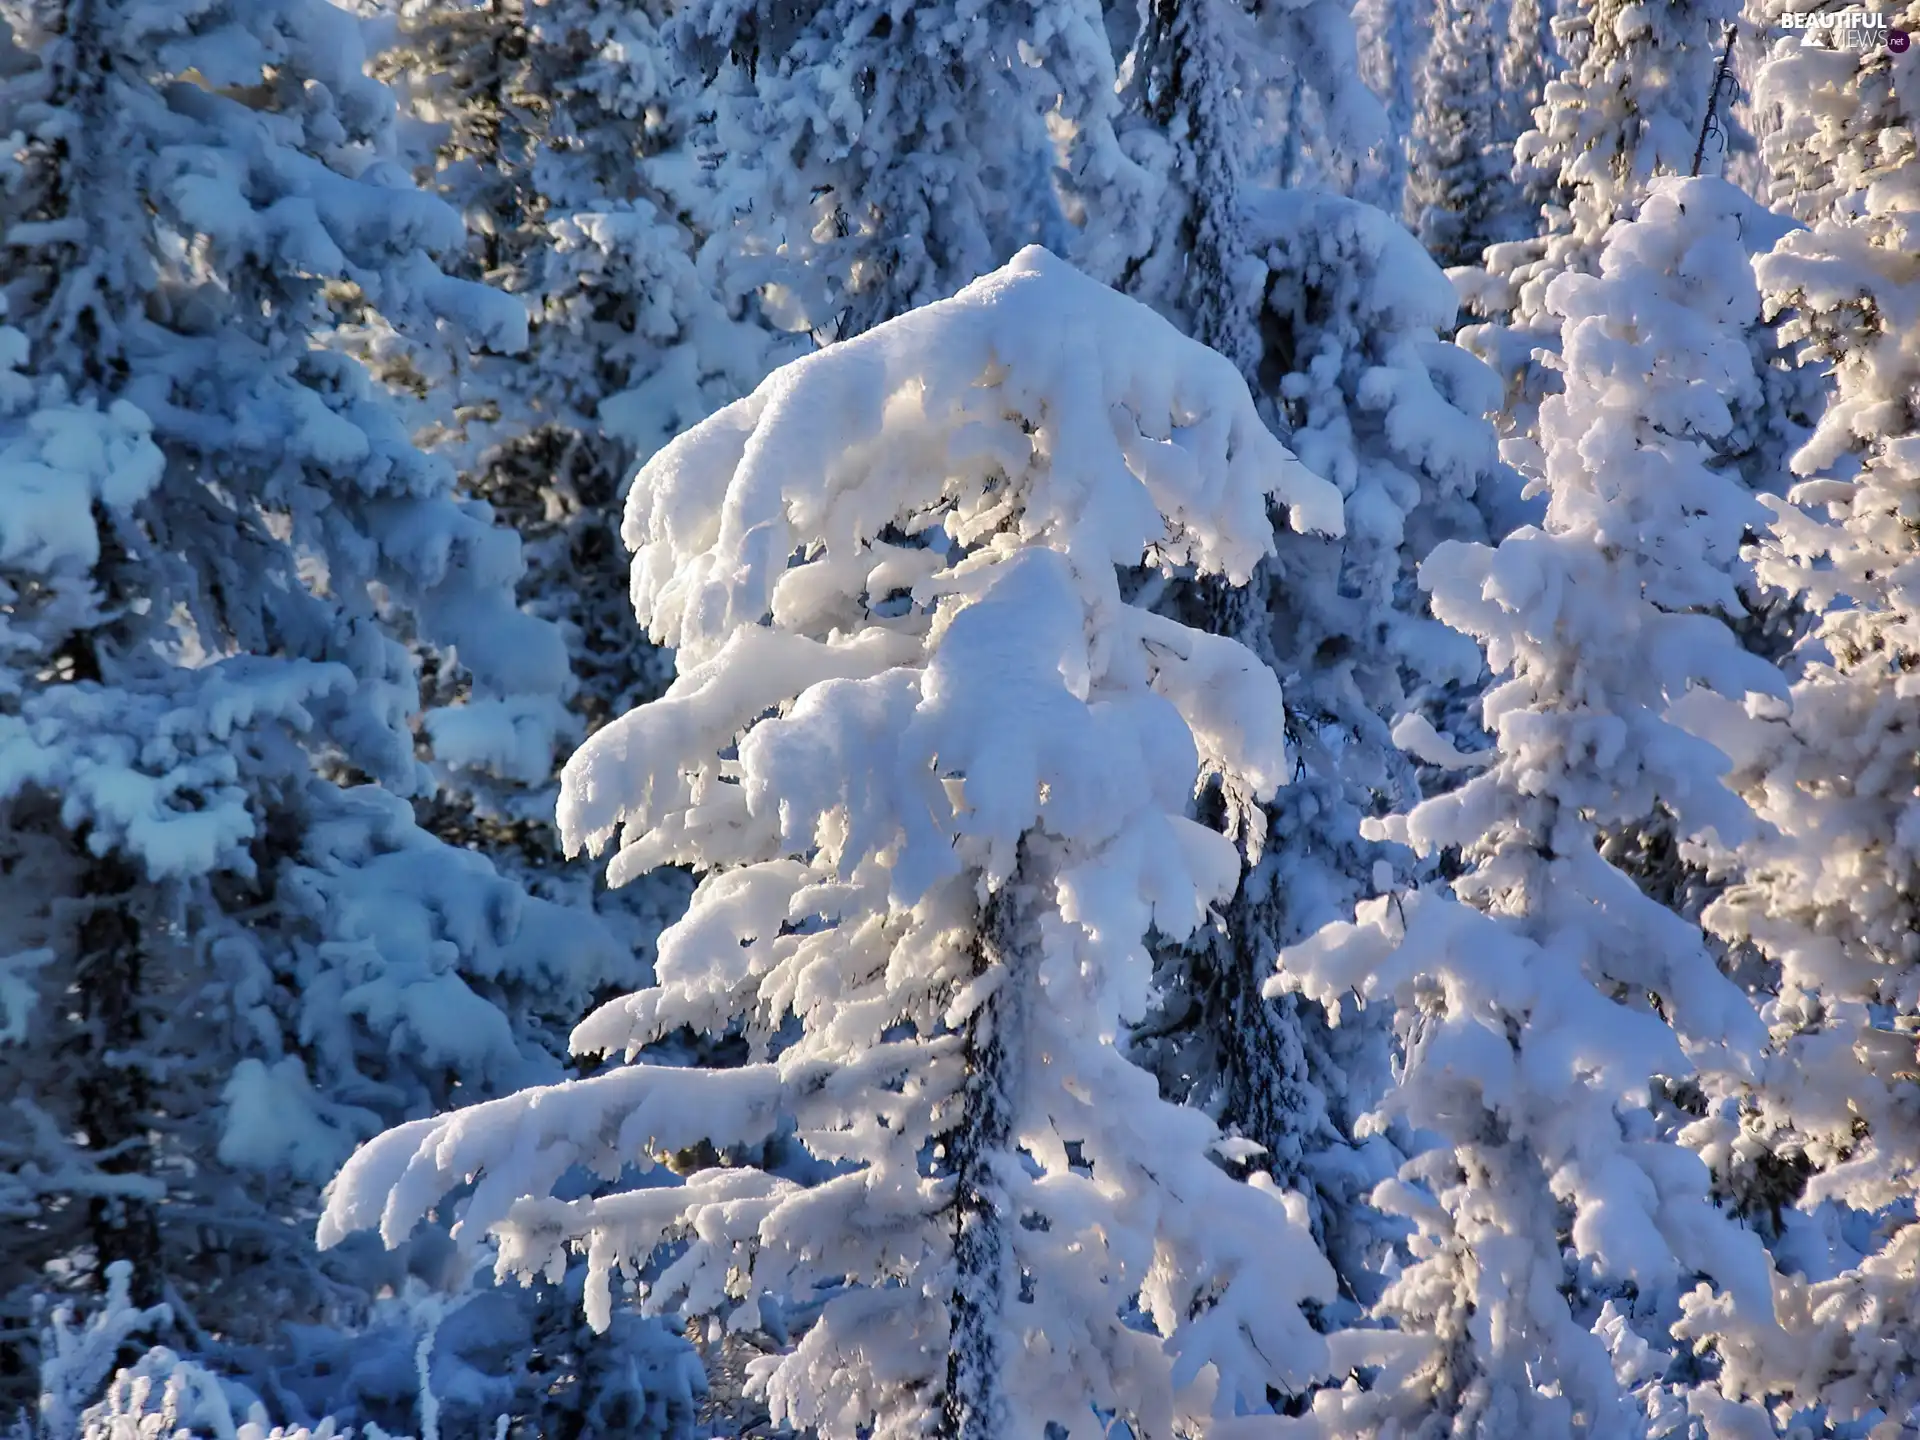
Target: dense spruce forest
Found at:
x=970, y=720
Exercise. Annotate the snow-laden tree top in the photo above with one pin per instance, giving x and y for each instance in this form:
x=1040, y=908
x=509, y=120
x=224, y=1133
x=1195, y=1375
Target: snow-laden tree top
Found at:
x=1035, y=409
x=937, y=774
x=1626, y=108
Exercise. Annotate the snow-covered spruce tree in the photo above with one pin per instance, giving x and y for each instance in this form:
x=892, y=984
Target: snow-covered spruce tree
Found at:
x=1701, y=257
x=1394, y=417
x=456, y=69
x=869, y=157
x=566, y=148
x=935, y=771
x=1626, y=107
x=634, y=336
x=1830, y=893
x=1541, y=1000
x=1697, y=262
x=1392, y=41
x=57, y=460
x=630, y=331
x=1214, y=98
x=1328, y=121
x=1371, y=396
x=1330, y=309
x=1529, y=59
x=229, y=952
x=1458, y=193
x=1330, y=318
x=1187, y=115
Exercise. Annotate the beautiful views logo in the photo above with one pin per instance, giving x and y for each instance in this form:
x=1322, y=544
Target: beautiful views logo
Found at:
x=1848, y=29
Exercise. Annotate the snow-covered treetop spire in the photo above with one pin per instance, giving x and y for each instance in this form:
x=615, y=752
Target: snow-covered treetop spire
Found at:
x=1000, y=419
x=937, y=772
x=1626, y=108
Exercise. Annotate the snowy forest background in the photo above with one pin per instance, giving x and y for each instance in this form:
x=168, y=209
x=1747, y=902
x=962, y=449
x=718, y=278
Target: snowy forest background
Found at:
x=1296, y=815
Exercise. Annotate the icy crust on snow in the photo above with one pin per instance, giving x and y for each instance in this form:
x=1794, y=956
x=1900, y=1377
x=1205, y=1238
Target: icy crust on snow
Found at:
x=909, y=680
x=1520, y=1058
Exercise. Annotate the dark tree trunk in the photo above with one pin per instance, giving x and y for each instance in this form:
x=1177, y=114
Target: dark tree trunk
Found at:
x=975, y=1405
x=115, y=1093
